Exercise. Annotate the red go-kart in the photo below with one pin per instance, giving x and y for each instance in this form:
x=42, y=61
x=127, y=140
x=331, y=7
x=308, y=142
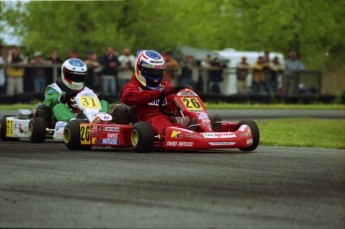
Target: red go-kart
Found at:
x=197, y=131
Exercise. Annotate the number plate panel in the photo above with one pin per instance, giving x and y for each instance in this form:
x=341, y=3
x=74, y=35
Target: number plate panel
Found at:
x=85, y=134
x=89, y=102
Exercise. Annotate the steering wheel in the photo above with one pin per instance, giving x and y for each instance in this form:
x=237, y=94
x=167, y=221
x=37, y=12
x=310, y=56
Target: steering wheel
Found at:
x=162, y=98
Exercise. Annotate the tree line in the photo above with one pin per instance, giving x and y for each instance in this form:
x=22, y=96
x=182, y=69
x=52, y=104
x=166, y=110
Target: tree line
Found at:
x=313, y=28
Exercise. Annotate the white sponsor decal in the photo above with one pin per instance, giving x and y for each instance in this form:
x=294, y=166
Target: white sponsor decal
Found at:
x=222, y=143
x=205, y=121
x=112, y=128
x=219, y=135
x=105, y=117
x=202, y=115
x=60, y=125
x=250, y=141
x=169, y=143
x=110, y=141
x=243, y=127
x=112, y=135
x=185, y=144
x=156, y=102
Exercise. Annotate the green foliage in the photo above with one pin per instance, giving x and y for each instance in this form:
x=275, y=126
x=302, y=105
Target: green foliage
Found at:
x=303, y=132
x=312, y=27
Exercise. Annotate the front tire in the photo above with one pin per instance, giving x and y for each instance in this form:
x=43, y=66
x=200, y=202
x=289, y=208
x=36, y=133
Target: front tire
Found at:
x=142, y=137
x=3, y=129
x=71, y=135
x=37, y=130
x=255, y=134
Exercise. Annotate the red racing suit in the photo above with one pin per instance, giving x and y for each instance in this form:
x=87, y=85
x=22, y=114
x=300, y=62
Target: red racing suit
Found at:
x=145, y=104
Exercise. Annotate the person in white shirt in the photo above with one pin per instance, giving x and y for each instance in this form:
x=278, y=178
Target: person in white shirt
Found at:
x=126, y=71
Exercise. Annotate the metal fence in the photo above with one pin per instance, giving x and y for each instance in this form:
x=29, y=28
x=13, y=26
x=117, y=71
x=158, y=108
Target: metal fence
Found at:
x=311, y=79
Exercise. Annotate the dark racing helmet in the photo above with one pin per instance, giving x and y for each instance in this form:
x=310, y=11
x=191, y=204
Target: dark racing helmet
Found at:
x=149, y=68
x=74, y=73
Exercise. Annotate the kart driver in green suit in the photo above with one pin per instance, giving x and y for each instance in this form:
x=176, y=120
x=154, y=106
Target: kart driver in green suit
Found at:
x=59, y=96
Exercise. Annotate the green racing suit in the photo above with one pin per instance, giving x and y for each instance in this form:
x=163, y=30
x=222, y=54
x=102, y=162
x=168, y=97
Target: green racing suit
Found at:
x=63, y=111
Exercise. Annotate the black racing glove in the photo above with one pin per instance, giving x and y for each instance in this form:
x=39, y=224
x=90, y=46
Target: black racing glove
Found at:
x=168, y=90
x=66, y=96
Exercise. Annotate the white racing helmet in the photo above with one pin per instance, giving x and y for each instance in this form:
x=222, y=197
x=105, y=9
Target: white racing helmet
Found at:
x=74, y=73
x=149, y=68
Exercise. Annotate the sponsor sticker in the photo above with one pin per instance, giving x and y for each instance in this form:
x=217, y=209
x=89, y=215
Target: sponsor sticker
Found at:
x=170, y=143
x=156, y=102
x=202, y=115
x=176, y=134
x=222, y=143
x=242, y=128
x=112, y=129
x=192, y=136
x=219, y=135
x=112, y=135
x=60, y=125
x=185, y=144
x=107, y=141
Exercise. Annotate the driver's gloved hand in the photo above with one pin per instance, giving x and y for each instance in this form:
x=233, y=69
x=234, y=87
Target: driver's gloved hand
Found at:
x=168, y=90
x=66, y=96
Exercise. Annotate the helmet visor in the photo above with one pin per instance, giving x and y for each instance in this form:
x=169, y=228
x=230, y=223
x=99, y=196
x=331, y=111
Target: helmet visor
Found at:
x=153, y=76
x=77, y=77
x=152, y=72
x=153, y=82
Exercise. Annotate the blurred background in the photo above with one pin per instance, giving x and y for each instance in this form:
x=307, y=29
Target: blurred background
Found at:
x=229, y=50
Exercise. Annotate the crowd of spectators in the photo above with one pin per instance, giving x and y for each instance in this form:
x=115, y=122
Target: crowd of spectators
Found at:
x=109, y=72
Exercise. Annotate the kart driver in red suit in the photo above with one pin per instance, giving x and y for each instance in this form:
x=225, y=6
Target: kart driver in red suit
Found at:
x=144, y=89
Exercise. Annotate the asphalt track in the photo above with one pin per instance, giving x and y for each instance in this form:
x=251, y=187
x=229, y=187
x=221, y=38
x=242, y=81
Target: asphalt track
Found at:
x=46, y=185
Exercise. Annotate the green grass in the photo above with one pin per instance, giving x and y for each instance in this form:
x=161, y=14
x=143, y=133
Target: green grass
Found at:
x=275, y=106
x=303, y=132
x=299, y=132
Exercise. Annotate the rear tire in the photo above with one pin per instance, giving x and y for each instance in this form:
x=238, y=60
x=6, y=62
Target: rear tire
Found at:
x=71, y=135
x=37, y=130
x=142, y=137
x=3, y=129
x=214, y=123
x=255, y=134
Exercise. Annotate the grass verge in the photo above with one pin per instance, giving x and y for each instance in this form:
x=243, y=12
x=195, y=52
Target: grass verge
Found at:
x=303, y=132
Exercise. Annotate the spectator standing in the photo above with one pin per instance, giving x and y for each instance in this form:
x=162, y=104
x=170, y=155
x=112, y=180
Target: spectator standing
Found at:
x=259, y=76
x=2, y=76
x=127, y=61
x=290, y=78
x=54, y=58
x=215, y=76
x=93, y=66
x=109, y=72
x=206, y=63
x=188, y=71
x=39, y=73
x=242, y=71
x=73, y=54
x=267, y=70
x=276, y=69
x=205, y=66
x=15, y=74
x=171, y=64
